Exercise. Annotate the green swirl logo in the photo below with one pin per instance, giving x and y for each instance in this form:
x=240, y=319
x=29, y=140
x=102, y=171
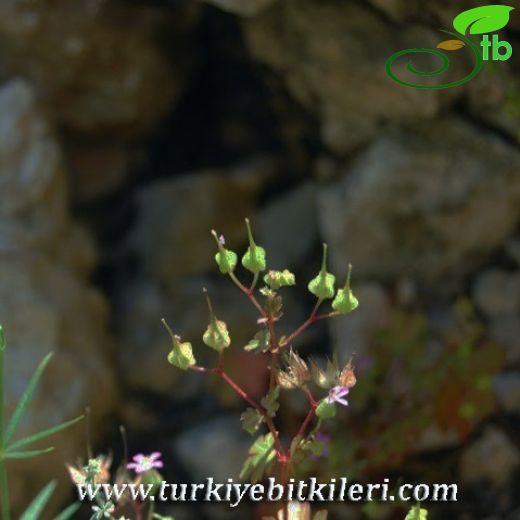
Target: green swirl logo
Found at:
x=477, y=21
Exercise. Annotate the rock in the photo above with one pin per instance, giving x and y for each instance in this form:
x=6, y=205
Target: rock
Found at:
x=354, y=332
x=433, y=438
x=513, y=250
x=332, y=60
x=98, y=171
x=288, y=227
x=32, y=205
x=408, y=196
x=45, y=308
x=492, y=458
x=497, y=292
x=241, y=7
x=46, y=302
x=171, y=243
x=506, y=330
x=196, y=449
x=97, y=64
x=507, y=391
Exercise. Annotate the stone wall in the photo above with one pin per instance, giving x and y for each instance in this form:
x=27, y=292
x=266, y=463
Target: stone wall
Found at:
x=130, y=129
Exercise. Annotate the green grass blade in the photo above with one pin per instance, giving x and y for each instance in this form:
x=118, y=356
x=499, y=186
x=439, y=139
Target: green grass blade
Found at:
x=67, y=512
x=41, y=435
x=26, y=454
x=21, y=407
x=40, y=501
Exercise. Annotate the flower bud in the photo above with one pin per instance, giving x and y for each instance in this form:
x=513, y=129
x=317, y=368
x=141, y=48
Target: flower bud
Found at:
x=225, y=258
x=277, y=279
x=254, y=258
x=325, y=409
x=322, y=286
x=216, y=335
x=345, y=301
x=151, y=478
x=181, y=355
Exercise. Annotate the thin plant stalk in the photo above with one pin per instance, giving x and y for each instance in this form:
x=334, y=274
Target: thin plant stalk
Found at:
x=4, y=487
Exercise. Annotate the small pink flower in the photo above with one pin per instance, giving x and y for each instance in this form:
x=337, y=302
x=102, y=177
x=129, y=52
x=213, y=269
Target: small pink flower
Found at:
x=143, y=463
x=336, y=395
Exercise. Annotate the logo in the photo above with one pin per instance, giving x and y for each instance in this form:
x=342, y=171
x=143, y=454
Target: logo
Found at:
x=478, y=21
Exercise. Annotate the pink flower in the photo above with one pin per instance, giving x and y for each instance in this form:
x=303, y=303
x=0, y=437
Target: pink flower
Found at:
x=336, y=395
x=143, y=463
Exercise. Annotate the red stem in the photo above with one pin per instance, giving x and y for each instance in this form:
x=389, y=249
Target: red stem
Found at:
x=309, y=321
x=242, y=393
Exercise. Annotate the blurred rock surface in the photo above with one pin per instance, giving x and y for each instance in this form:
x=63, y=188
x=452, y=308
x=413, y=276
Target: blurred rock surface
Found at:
x=492, y=458
x=408, y=197
x=46, y=302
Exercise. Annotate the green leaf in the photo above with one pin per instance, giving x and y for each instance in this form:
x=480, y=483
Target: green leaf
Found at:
x=254, y=258
x=345, y=301
x=313, y=446
x=325, y=410
x=43, y=434
x=322, y=286
x=416, y=513
x=225, y=258
x=270, y=401
x=260, y=459
x=67, y=512
x=259, y=342
x=29, y=454
x=39, y=502
x=482, y=20
x=251, y=420
x=21, y=407
x=277, y=279
x=181, y=355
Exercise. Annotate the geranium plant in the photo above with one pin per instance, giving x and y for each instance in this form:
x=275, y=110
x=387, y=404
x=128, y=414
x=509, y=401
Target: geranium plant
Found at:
x=268, y=455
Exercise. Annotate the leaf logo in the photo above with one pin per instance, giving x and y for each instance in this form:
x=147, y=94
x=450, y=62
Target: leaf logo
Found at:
x=482, y=20
x=451, y=45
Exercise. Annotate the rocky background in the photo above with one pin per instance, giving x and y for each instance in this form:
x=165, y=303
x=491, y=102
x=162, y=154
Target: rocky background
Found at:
x=130, y=128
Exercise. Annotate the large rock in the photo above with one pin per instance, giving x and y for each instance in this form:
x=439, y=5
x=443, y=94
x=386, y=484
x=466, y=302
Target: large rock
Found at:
x=196, y=449
x=493, y=459
x=497, y=294
x=288, y=226
x=96, y=63
x=331, y=57
x=172, y=237
x=431, y=205
x=46, y=303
